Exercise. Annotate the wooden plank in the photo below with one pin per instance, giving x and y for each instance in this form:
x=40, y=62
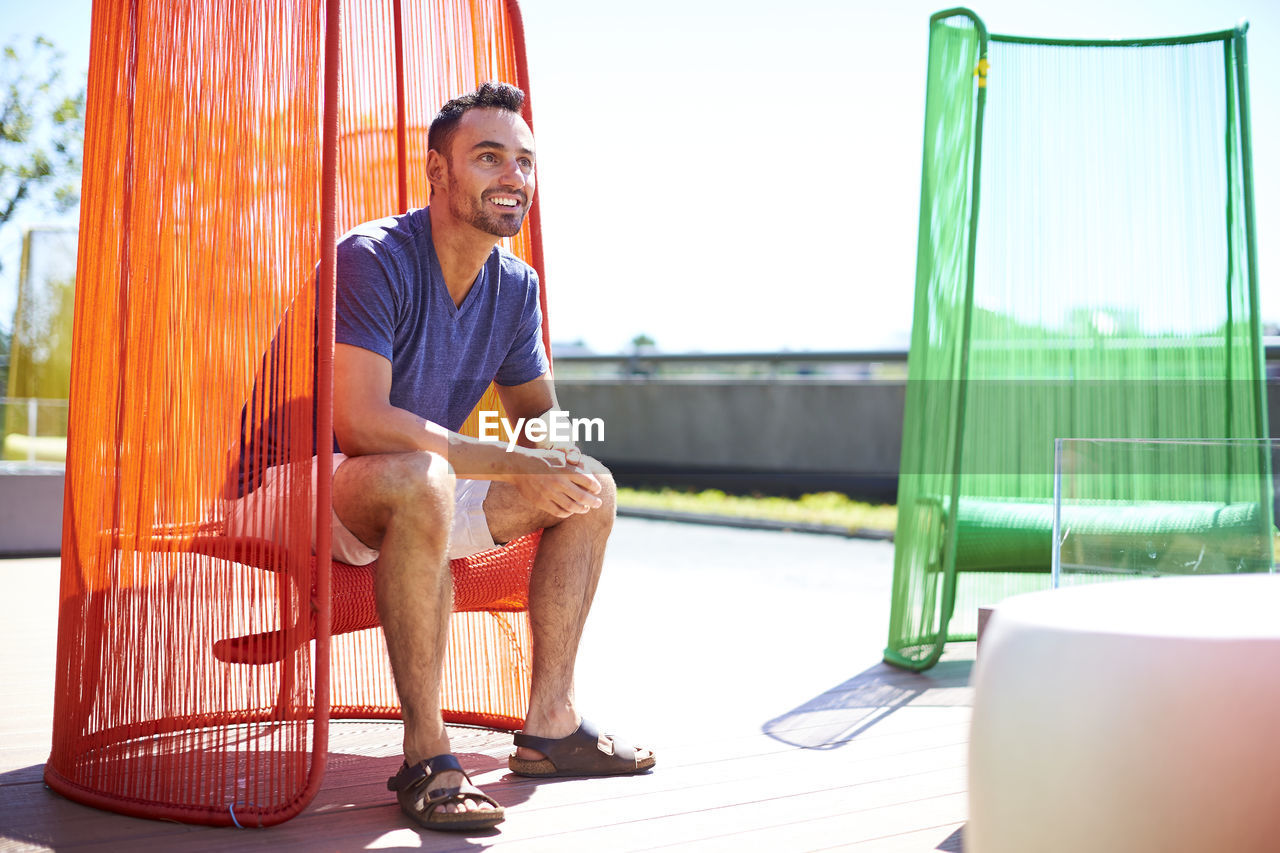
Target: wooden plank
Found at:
x=544, y=809
x=807, y=820
x=947, y=837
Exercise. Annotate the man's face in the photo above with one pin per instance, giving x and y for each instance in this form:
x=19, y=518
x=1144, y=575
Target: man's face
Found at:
x=489, y=171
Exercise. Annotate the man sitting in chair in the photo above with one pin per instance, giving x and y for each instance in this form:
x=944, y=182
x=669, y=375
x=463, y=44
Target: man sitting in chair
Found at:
x=429, y=311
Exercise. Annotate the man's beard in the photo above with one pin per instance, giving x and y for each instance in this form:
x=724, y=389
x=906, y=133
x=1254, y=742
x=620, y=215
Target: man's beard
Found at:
x=480, y=216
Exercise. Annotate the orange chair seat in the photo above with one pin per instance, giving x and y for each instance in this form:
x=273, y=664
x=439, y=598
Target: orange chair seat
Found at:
x=496, y=580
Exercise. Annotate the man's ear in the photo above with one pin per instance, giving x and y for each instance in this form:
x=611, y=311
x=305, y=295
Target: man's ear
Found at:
x=437, y=169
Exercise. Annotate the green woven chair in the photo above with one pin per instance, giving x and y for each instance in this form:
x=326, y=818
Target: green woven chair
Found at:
x=1085, y=270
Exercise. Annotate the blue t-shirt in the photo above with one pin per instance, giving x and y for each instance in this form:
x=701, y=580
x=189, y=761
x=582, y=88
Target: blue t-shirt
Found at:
x=392, y=300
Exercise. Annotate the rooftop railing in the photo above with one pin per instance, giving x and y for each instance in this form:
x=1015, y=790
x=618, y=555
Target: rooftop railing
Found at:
x=853, y=365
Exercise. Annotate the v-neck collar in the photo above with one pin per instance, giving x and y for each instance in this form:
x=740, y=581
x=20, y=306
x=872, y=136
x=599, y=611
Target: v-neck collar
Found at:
x=439, y=287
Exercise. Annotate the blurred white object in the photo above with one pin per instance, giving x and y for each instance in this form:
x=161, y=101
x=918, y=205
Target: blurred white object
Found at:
x=1131, y=717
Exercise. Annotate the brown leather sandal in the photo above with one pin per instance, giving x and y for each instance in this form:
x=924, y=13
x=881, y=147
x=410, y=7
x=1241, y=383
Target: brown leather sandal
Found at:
x=586, y=752
x=421, y=802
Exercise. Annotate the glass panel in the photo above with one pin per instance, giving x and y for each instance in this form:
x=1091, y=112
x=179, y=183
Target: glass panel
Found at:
x=1148, y=508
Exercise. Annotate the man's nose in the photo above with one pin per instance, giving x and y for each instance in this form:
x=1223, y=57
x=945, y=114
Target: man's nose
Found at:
x=513, y=176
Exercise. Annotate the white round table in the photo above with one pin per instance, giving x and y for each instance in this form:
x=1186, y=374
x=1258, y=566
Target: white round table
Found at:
x=1131, y=717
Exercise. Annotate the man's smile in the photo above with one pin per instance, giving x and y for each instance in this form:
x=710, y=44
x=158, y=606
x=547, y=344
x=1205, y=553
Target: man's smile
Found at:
x=508, y=201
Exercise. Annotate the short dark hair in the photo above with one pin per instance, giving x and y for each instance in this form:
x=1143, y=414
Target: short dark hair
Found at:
x=501, y=96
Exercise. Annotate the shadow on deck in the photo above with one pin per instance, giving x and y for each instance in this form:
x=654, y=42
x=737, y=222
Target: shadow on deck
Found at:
x=837, y=716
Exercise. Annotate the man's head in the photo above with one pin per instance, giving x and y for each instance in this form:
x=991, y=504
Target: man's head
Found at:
x=493, y=96
x=481, y=159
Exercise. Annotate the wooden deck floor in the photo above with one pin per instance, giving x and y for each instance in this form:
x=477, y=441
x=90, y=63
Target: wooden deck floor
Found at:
x=749, y=660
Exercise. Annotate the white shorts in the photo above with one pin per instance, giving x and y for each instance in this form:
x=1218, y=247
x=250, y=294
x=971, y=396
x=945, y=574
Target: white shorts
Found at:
x=249, y=516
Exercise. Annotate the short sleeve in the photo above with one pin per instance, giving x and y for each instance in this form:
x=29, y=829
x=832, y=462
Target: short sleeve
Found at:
x=527, y=358
x=365, y=314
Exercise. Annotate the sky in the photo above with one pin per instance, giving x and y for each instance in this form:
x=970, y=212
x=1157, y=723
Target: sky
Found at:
x=744, y=176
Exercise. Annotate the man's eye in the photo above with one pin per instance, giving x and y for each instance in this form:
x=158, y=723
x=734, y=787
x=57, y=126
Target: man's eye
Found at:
x=488, y=158
x=526, y=164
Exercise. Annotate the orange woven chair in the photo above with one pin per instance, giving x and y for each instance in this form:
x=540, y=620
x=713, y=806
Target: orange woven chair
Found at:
x=227, y=147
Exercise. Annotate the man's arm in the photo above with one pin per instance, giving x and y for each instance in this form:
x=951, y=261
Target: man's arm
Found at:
x=527, y=402
x=365, y=422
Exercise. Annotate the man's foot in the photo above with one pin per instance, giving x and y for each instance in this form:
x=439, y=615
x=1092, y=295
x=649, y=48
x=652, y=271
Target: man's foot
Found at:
x=438, y=794
x=585, y=752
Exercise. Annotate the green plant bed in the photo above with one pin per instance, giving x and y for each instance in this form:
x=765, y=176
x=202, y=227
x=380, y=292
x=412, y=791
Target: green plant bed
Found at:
x=825, y=508
x=16, y=447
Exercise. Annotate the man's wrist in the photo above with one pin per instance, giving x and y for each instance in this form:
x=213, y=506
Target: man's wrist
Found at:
x=520, y=462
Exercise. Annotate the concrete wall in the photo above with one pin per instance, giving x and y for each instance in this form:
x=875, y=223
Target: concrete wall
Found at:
x=779, y=437
x=30, y=509
x=783, y=436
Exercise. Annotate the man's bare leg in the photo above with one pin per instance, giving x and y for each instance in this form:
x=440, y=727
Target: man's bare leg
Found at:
x=402, y=505
x=561, y=589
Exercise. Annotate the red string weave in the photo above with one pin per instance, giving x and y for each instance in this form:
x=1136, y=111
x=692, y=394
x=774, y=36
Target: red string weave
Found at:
x=213, y=187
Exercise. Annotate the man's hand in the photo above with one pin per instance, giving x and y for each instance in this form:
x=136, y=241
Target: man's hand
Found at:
x=556, y=481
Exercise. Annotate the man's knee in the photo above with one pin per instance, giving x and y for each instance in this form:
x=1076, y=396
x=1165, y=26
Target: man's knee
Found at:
x=414, y=489
x=608, y=494
x=424, y=482
x=422, y=499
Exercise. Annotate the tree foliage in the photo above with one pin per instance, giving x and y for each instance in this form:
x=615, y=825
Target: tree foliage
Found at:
x=41, y=130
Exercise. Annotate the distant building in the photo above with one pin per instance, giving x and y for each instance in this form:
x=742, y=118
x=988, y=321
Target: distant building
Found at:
x=569, y=348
